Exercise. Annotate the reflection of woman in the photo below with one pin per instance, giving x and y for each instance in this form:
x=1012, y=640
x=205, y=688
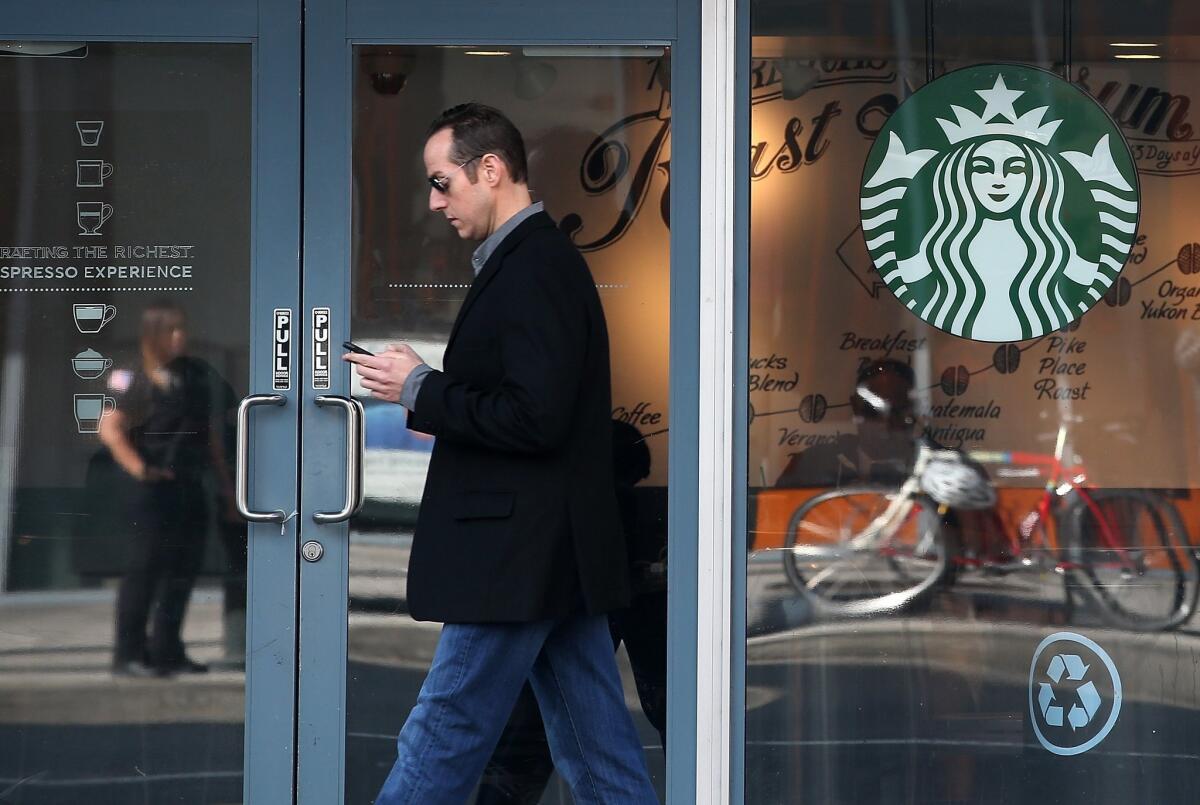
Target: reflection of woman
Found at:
x=166, y=434
x=998, y=251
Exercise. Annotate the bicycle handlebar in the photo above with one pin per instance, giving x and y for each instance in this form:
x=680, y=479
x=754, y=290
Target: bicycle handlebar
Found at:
x=1012, y=457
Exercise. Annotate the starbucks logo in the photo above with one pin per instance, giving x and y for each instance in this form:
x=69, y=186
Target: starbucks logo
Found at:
x=999, y=203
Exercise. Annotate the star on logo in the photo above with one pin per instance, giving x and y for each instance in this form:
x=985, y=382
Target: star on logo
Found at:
x=999, y=118
x=999, y=100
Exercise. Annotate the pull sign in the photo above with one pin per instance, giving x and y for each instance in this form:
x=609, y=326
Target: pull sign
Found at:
x=281, y=356
x=320, y=348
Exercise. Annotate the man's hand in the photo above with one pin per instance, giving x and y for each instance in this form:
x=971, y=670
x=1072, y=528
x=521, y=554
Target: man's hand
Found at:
x=384, y=374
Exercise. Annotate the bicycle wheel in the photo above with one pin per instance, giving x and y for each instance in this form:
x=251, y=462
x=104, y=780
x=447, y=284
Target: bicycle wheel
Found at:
x=1133, y=553
x=846, y=561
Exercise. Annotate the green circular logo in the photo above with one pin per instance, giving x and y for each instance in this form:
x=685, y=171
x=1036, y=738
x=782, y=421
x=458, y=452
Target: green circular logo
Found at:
x=999, y=202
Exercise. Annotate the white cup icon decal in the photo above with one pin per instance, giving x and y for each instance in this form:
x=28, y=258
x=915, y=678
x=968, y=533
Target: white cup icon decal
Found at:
x=89, y=131
x=92, y=172
x=90, y=364
x=91, y=215
x=90, y=409
x=92, y=318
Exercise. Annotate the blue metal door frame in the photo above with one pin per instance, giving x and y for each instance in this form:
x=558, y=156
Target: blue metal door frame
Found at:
x=273, y=28
x=297, y=751
x=331, y=29
x=273, y=557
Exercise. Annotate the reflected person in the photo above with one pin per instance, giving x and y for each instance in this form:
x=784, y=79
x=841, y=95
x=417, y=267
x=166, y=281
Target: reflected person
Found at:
x=167, y=434
x=883, y=446
x=883, y=449
x=521, y=766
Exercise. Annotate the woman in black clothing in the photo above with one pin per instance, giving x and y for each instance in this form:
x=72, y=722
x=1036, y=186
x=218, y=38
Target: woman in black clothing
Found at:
x=167, y=435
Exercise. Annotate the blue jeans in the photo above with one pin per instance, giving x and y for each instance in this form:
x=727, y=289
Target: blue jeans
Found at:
x=477, y=672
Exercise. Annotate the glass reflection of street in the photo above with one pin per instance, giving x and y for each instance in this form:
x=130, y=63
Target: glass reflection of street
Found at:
x=122, y=572
x=906, y=613
x=146, y=649
x=889, y=533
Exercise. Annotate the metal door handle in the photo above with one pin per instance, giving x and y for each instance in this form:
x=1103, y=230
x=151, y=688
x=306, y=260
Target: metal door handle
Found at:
x=355, y=442
x=242, y=492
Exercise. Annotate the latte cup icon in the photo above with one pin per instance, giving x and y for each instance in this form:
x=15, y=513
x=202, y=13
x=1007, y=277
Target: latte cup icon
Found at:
x=89, y=131
x=90, y=409
x=92, y=318
x=90, y=364
x=92, y=172
x=91, y=216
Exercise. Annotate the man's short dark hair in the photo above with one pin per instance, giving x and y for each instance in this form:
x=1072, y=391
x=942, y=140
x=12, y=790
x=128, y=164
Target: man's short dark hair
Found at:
x=478, y=129
x=885, y=366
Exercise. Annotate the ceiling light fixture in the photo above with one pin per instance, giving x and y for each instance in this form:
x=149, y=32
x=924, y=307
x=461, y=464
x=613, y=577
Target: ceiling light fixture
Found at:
x=1140, y=56
x=1133, y=44
x=68, y=50
x=488, y=53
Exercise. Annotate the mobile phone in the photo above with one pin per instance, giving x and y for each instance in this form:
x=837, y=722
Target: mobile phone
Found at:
x=353, y=347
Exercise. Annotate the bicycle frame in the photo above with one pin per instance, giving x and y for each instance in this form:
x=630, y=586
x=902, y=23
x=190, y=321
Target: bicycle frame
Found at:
x=886, y=524
x=1061, y=480
x=1079, y=549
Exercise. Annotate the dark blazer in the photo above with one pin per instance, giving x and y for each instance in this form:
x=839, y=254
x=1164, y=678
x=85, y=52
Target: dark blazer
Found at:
x=519, y=520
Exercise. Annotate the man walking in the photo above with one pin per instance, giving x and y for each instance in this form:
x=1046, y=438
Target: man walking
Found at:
x=518, y=547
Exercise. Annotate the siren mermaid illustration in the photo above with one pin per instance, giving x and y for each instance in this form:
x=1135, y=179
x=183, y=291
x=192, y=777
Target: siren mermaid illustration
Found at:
x=999, y=261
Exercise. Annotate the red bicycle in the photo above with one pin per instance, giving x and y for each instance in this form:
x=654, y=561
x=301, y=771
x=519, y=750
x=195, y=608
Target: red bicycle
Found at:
x=867, y=549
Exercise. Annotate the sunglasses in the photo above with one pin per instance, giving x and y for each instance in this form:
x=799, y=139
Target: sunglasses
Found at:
x=442, y=183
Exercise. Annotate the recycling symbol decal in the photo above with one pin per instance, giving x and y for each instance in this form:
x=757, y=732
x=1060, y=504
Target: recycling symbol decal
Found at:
x=1074, y=693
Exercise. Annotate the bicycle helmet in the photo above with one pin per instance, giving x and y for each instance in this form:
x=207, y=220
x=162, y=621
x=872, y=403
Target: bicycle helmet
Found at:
x=952, y=480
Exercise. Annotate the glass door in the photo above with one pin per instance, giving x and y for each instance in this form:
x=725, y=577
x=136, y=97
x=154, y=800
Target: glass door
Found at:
x=596, y=121
x=181, y=451
x=135, y=258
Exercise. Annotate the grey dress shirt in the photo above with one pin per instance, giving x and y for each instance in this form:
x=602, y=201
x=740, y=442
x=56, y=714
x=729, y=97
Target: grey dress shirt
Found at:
x=412, y=386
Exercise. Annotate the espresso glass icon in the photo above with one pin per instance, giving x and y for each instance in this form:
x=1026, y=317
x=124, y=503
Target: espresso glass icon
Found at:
x=92, y=172
x=91, y=318
x=90, y=364
x=89, y=132
x=91, y=215
x=90, y=409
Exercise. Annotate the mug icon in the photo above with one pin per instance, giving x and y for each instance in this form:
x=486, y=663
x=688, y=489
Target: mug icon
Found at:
x=92, y=318
x=92, y=172
x=92, y=215
x=90, y=409
x=89, y=131
x=90, y=364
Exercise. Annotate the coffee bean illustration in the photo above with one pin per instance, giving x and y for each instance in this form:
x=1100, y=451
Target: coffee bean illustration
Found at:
x=1006, y=358
x=750, y=413
x=1120, y=293
x=955, y=380
x=813, y=407
x=1189, y=258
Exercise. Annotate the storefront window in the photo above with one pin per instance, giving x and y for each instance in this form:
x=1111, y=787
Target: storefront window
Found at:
x=973, y=394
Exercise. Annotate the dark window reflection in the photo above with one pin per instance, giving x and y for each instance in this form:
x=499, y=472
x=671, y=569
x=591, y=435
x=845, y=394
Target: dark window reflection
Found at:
x=125, y=176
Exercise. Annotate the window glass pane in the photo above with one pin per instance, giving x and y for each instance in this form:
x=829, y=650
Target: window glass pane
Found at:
x=125, y=174
x=972, y=461
x=596, y=123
